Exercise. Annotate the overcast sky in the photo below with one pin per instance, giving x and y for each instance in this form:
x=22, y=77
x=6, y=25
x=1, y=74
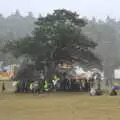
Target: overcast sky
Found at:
x=97, y=8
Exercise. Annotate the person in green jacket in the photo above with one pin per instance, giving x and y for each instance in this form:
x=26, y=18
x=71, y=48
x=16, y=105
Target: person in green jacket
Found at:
x=46, y=86
x=31, y=86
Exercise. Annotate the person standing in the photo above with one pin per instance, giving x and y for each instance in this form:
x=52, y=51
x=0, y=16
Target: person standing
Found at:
x=92, y=92
x=46, y=86
x=3, y=87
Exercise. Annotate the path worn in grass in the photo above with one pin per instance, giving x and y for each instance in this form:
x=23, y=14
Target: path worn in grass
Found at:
x=61, y=106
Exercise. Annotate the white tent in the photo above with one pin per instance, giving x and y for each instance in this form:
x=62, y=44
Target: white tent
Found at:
x=117, y=74
x=79, y=70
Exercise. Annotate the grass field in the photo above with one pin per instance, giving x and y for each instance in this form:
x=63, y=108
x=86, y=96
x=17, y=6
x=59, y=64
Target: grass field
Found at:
x=58, y=106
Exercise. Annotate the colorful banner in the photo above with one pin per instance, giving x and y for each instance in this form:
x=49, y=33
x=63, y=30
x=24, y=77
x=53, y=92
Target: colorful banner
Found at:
x=6, y=75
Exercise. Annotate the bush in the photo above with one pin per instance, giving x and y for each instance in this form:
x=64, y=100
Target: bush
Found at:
x=113, y=93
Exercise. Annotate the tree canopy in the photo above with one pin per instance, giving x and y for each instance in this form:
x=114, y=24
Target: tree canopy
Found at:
x=57, y=37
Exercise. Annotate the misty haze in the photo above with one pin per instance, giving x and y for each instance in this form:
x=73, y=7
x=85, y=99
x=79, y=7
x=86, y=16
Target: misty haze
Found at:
x=55, y=56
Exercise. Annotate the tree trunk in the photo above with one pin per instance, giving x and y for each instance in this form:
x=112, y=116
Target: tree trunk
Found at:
x=50, y=70
x=109, y=76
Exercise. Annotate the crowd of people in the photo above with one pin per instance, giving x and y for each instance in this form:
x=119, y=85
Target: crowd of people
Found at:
x=41, y=86
x=38, y=86
x=58, y=83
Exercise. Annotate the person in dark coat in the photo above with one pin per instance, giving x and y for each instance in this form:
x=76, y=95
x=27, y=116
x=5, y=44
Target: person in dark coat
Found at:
x=3, y=87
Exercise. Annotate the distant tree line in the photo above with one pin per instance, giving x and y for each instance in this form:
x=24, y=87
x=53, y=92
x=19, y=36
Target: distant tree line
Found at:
x=13, y=27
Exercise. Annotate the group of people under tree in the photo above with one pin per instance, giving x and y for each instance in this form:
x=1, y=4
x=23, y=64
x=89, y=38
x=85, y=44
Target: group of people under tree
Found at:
x=62, y=82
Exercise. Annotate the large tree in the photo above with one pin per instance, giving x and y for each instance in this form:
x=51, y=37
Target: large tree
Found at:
x=57, y=37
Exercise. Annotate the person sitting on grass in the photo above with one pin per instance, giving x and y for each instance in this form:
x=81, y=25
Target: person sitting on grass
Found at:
x=98, y=92
x=114, y=91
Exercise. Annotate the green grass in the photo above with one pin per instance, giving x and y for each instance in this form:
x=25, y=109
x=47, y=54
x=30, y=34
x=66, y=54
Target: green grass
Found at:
x=58, y=106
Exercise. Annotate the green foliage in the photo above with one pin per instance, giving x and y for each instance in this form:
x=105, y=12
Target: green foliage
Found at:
x=16, y=26
x=56, y=37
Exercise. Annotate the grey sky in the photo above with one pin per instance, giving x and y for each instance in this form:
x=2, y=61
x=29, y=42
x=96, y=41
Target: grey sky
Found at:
x=98, y=8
